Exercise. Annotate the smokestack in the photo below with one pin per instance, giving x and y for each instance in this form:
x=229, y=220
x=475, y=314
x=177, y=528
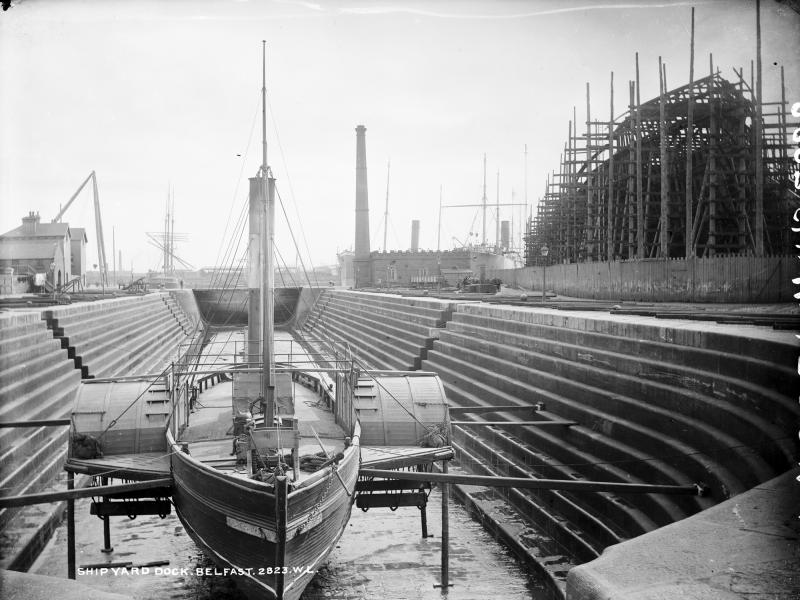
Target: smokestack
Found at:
x=361, y=264
x=256, y=209
x=414, y=235
x=504, y=234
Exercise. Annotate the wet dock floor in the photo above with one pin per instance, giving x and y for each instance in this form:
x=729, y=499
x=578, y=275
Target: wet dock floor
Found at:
x=381, y=555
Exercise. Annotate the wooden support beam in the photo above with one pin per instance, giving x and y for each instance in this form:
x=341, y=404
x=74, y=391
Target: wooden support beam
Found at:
x=540, y=484
x=107, y=547
x=573, y=212
x=490, y=409
x=36, y=423
x=517, y=423
x=713, y=135
x=72, y=494
x=445, y=583
x=70, y=528
x=610, y=195
x=758, y=216
x=630, y=195
x=640, y=216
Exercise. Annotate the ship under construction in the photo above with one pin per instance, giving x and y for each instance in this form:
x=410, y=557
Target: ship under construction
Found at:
x=700, y=170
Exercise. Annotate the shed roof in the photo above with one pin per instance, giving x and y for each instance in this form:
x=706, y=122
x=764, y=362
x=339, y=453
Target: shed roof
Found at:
x=42, y=230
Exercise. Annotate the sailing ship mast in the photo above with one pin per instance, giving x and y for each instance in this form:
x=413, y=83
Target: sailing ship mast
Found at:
x=386, y=212
x=267, y=272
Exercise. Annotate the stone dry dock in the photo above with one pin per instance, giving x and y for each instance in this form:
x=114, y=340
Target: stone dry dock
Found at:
x=649, y=400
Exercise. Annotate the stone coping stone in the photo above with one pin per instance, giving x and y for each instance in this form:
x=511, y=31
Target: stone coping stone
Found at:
x=746, y=339
x=745, y=547
x=10, y=319
x=419, y=301
x=110, y=304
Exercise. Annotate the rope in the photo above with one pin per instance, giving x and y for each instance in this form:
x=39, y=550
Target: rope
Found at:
x=241, y=172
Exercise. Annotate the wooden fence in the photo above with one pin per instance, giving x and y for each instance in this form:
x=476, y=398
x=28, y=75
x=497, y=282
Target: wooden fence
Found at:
x=738, y=279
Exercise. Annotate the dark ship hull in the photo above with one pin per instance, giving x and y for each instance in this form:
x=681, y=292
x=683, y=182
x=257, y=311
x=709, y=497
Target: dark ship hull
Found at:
x=270, y=552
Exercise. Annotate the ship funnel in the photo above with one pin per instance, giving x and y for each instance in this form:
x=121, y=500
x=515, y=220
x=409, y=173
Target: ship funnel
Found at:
x=415, y=235
x=361, y=265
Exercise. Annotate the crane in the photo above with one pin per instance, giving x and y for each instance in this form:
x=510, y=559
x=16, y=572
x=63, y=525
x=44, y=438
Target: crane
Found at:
x=101, y=247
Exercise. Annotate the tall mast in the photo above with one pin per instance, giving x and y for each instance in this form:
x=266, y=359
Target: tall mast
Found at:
x=172, y=232
x=484, y=201
x=439, y=232
x=264, y=109
x=166, y=235
x=497, y=217
x=525, y=214
x=386, y=211
x=267, y=274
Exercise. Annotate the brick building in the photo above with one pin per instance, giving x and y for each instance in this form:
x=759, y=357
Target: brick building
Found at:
x=51, y=252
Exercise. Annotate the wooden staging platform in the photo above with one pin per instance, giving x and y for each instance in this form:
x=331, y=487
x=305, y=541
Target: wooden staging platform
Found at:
x=134, y=467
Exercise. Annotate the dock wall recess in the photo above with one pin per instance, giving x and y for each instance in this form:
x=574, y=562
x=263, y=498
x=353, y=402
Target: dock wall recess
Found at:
x=734, y=279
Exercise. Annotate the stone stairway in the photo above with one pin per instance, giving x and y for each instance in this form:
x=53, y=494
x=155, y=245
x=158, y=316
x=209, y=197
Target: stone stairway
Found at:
x=37, y=381
x=654, y=402
x=384, y=331
x=121, y=336
x=43, y=356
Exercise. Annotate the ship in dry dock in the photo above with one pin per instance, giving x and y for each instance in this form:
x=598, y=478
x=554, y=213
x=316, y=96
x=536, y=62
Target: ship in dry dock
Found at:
x=263, y=480
x=614, y=388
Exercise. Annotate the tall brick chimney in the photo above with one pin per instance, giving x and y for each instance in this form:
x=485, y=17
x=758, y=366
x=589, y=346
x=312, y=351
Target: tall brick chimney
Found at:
x=361, y=264
x=505, y=235
x=415, y=235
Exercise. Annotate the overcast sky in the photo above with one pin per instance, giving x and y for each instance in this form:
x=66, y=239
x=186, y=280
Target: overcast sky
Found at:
x=152, y=94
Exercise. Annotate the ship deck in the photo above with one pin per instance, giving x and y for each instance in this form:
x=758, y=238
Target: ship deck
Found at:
x=209, y=434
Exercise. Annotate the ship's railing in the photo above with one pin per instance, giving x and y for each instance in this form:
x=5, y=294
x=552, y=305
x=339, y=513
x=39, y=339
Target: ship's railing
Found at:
x=313, y=362
x=336, y=356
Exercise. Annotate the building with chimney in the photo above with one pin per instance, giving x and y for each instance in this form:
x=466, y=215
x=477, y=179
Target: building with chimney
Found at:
x=39, y=252
x=363, y=268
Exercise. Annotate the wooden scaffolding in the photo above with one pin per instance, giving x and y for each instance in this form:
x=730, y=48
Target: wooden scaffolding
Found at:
x=694, y=171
